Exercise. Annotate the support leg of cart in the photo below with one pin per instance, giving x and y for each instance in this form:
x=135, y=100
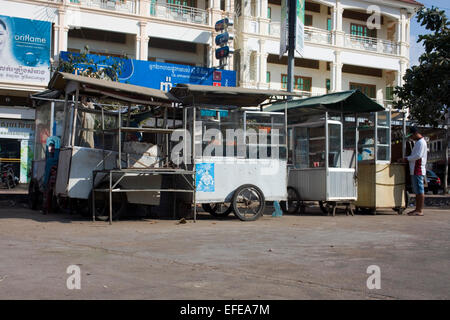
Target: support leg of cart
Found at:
x=110, y=198
x=93, y=195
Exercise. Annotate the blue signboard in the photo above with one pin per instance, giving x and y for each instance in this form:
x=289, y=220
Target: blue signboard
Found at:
x=24, y=50
x=160, y=75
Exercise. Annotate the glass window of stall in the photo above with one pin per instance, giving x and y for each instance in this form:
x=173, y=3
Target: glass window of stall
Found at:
x=374, y=136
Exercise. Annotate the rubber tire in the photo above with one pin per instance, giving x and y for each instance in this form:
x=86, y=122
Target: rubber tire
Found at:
x=235, y=203
x=213, y=210
x=399, y=210
x=33, y=195
x=323, y=207
x=117, y=212
x=296, y=208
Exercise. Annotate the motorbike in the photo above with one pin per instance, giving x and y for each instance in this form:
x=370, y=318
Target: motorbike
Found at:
x=9, y=180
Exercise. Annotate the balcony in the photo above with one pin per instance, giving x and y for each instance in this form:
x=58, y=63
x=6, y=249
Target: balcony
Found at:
x=314, y=35
x=127, y=6
x=371, y=44
x=179, y=13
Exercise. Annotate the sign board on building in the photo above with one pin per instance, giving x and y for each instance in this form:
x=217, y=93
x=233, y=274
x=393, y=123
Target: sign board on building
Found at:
x=16, y=129
x=300, y=25
x=24, y=50
x=284, y=27
x=163, y=76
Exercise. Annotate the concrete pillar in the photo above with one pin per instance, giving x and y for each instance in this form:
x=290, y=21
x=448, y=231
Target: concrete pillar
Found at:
x=142, y=42
x=63, y=31
x=336, y=73
x=263, y=71
x=338, y=31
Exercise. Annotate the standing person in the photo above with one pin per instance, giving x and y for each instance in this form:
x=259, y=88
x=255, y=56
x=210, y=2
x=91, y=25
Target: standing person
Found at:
x=417, y=161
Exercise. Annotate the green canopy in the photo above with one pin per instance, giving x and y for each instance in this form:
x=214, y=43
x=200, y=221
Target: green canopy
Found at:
x=352, y=101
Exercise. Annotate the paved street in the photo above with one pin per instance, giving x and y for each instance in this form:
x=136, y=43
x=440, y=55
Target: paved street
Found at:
x=292, y=257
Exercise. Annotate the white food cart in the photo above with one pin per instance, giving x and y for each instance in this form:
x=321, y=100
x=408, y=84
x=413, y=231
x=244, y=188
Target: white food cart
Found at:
x=322, y=149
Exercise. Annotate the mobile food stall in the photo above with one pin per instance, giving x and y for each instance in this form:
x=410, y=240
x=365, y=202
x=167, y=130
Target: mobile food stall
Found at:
x=82, y=136
x=238, y=151
x=323, y=142
x=382, y=183
x=107, y=159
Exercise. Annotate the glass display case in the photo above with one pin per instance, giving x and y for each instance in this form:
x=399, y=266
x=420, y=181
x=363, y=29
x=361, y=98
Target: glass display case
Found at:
x=374, y=130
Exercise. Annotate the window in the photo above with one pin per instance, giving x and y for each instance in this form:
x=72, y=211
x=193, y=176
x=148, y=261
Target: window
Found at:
x=389, y=93
x=268, y=77
x=187, y=3
x=362, y=30
x=303, y=83
x=308, y=20
x=300, y=83
x=284, y=81
x=329, y=25
x=328, y=85
x=269, y=13
x=368, y=89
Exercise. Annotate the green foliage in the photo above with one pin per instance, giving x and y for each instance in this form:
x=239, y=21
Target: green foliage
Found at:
x=82, y=64
x=426, y=89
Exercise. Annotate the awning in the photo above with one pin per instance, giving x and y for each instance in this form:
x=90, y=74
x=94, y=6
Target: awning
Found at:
x=352, y=101
x=191, y=94
x=111, y=89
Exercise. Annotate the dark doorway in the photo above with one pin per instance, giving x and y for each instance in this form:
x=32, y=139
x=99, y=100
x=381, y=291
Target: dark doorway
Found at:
x=10, y=153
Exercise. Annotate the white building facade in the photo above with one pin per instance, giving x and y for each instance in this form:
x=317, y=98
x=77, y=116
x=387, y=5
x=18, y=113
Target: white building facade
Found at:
x=341, y=51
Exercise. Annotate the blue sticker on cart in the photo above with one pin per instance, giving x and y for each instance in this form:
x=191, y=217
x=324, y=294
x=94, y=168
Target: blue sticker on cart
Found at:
x=204, y=177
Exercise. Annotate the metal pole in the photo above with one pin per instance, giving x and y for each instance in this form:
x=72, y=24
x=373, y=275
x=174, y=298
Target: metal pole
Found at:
x=291, y=44
x=110, y=197
x=120, y=139
x=52, y=117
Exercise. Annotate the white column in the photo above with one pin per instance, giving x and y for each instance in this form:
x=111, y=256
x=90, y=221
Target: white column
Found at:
x=336, y=73
x=263, y=71
x=142, y=42
x=55, y=40
x=63, y=32
x=338, y=31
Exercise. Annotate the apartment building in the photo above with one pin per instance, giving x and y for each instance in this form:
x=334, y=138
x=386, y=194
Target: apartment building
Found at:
x=341, y=52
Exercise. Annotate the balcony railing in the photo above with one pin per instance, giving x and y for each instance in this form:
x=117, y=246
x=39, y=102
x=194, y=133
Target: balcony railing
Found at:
x=370, y=44
x=312, y=34
x=318, y=35
x=179, y=13
x=128, y=6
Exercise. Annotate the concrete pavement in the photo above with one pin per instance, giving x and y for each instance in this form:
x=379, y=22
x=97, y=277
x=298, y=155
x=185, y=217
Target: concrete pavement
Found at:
x=292, y=257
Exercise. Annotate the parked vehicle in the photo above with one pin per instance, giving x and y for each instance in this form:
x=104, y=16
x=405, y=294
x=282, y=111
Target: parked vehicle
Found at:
x=434, y=182
x=9, y=180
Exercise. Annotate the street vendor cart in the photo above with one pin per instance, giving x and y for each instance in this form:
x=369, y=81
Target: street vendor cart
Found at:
x=382, y=183
x=122, y=144
x=323, y=144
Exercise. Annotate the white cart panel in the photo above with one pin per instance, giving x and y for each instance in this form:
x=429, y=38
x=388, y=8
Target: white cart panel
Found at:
x=217, y=178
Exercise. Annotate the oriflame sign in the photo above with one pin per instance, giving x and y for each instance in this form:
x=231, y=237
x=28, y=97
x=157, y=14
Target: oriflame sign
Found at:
x=24, y=50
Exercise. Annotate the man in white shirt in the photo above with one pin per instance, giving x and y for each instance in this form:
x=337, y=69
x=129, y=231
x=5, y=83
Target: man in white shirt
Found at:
x=417, y=161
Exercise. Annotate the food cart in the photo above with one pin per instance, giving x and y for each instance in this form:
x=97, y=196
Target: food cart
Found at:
x=90, y=124
x=382, y=183
x=241, y=173
x=108, y=159
x=323, y=143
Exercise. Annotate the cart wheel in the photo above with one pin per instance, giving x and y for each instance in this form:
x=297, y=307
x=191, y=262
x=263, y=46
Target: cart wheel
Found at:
x=33, y=195
x=221, y=209
x=119, y=203
x=293, y=201
x=324, y=207
x=399, y=210
x=248, y=202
